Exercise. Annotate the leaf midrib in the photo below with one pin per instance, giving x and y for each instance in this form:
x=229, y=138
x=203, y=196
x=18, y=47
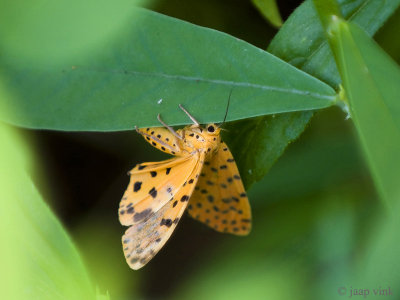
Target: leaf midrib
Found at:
x=215, y=81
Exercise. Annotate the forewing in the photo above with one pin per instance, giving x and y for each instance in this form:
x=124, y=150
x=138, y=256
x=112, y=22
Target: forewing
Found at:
x=162, y=139
x=220, y=200
x=143, y=240
x=152, y=185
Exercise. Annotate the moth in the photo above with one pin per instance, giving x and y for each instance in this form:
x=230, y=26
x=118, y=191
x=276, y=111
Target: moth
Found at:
x=202, y=177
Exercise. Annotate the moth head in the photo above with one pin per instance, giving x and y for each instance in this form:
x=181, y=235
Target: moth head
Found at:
x=213, y=129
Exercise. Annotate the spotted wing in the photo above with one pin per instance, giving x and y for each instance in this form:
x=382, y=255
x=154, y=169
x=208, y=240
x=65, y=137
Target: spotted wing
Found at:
x=143, y=240
x=220, y=200
x=162, y=139
x=152, y=185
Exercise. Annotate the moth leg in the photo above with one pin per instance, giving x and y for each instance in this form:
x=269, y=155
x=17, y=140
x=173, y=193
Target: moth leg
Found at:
x=189, y=115
x=169, y=127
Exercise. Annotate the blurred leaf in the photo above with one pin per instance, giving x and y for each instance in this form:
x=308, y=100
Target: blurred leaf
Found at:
x=99, y=237
x=269, y=10
x=301, y=42
x=371, y=81
x=379, y=265
x=47, y=32
x=334, y=240
x=296, y=250
x=153, y=64
x=244, y=279
x=100, y=296
x=37, y=257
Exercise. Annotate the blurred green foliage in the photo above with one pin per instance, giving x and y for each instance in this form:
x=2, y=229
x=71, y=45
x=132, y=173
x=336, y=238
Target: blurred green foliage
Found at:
x=37, y=258
x=319, y=230
x=269, y=9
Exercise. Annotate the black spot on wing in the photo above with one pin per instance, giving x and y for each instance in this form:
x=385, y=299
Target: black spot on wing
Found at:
x=166, y=222
x=137, y=185
x=153, y=192
x=226, y=200
x=134, y=260
x=142, y=215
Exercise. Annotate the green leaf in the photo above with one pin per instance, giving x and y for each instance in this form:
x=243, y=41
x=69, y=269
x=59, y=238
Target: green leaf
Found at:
x=371, y=81
x=258, y=143
x=269, y=10
x=153, y=64
x=37, y=258
x=301, y=42
x=325, y=9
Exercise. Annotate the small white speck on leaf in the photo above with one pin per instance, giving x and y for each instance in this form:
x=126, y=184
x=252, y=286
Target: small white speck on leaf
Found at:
x=159, y=101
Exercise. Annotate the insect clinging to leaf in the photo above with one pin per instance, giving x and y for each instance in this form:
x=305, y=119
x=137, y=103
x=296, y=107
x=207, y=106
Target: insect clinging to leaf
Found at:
x=202, y=177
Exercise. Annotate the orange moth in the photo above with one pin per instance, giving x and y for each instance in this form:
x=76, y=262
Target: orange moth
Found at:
x=202, y=177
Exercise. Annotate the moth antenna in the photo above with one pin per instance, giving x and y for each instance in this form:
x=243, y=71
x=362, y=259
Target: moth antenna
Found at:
x=168, y=127
x=189, y=115
x=227, y=108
